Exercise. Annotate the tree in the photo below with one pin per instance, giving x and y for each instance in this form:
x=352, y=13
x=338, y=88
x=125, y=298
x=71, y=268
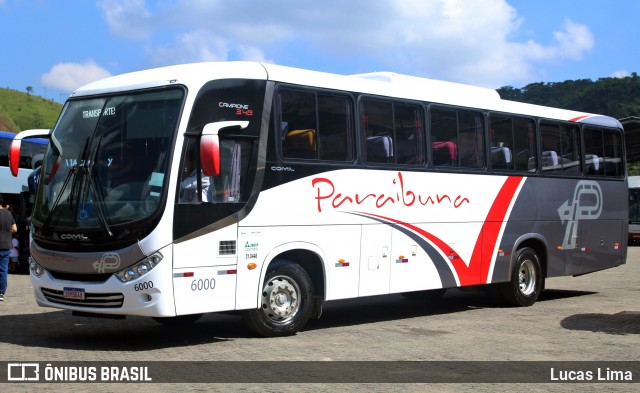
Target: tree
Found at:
x=29, y=89
x=616, y=97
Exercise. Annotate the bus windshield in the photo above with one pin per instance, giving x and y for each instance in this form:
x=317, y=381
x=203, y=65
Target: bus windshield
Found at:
x=107, y=161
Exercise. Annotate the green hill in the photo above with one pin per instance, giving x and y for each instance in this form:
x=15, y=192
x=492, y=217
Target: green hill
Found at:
x=615, y=97
x=21, y=111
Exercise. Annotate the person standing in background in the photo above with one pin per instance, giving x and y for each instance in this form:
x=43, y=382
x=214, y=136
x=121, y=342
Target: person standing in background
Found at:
x=7, y=228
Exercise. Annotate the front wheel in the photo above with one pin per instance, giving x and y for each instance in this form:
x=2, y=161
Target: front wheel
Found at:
x=527, y=280
x=286, y=302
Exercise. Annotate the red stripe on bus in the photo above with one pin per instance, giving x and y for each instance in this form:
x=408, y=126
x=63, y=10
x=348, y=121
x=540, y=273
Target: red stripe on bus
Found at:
x=492, y=225
x=577, y=119
x=476, y=272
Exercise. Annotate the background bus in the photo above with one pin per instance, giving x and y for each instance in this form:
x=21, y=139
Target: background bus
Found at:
x=15, y=189
x=634, y=209
x=266, y=189
x=31, y=154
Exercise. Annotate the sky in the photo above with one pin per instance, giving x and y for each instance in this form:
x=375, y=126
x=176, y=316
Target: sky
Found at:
x=54, y=46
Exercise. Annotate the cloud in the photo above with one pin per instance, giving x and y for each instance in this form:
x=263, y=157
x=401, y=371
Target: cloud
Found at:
x=573, y=41
x=70, y=76
x=127, y=18
x=201, y=45
x=458, y=40
x=621, y=74
x=198, y=45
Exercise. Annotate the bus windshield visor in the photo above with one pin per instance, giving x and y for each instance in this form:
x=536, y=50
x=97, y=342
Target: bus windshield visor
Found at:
x=110, y=163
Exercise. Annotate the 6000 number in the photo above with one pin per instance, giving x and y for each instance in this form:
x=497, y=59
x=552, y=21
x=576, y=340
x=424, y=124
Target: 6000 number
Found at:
x=143, y=285
x=203, y=285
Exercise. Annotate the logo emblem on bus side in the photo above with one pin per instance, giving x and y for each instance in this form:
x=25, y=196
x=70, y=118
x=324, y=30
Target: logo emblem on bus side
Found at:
x=588, y=193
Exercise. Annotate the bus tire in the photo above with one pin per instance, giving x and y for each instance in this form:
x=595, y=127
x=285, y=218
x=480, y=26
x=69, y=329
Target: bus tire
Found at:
x=180, y=320
x=527, y=280
x=286, y=302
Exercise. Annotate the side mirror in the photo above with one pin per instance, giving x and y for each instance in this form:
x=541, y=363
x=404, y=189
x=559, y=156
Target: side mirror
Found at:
x=14, y=150
x=210, y=145
x=210, y=155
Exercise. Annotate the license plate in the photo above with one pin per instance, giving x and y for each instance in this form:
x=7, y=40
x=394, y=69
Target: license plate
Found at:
x=74, y=293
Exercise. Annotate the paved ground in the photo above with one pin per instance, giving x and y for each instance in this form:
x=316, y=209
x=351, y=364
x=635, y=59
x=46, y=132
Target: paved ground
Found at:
x=589, y=318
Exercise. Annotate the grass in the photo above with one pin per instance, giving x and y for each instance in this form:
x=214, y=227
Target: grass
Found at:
x=21, y=111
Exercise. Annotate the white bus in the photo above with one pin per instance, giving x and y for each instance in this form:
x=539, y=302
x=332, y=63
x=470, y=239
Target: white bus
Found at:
x=210, y=187
x=14, y=188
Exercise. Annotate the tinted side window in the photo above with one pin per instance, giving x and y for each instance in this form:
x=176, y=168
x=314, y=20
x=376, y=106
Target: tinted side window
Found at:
x=315, y=126
x=334, y=121
x=392, y=132
x=560, y=149
x=298, y=124
x=603, y=153
x=377, y=125
x=4, y=151
x=457, y=138
x=513, y=146
x=409, y=128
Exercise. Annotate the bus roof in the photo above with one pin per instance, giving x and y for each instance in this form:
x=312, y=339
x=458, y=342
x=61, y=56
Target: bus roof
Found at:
x=380, y=83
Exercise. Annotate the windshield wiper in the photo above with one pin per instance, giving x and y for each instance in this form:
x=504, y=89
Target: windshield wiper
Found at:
x=73, y=171
x=90, y=184
x=102, y=216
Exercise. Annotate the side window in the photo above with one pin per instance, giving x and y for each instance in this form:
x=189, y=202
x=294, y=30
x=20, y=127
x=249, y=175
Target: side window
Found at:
x=4, y=151
x=524, y=145
x=603, y=153
x=560, y=149
x=457, y=138
x=613, y=164
x=409, y=128
x=512, y=144
x=334, y=121
x=194, y=188
x=315, y=126
x=377, y=126
x=298, y=124
x=392, y=132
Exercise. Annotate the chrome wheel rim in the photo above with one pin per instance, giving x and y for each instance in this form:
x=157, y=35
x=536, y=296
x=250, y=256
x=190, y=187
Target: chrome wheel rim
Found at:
x=280, y=299
x=527, y=278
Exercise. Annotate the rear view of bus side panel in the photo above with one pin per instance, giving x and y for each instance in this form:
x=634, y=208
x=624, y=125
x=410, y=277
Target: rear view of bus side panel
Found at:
x=579, y=225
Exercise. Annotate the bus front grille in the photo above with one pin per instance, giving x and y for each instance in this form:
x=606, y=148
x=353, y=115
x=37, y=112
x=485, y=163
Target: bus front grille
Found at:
x=95, y=300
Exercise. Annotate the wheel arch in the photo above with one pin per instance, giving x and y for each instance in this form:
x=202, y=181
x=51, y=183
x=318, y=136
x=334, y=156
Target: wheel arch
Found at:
x=309, y=256
x=536, y=242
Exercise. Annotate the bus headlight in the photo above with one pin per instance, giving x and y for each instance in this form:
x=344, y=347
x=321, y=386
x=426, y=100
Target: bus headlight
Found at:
x=139, y=269
x=35, y=268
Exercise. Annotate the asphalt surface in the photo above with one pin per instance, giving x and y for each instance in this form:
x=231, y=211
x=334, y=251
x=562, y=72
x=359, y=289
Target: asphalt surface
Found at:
x=595, y=317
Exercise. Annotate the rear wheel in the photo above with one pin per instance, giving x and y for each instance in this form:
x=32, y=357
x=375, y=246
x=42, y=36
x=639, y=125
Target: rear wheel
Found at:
x=527, y=280
x=286, y=302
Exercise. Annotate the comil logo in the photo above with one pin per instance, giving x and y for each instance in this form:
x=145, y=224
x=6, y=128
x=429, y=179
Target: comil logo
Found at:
x=23, y=372
x=585, y=205
x=73, y=236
